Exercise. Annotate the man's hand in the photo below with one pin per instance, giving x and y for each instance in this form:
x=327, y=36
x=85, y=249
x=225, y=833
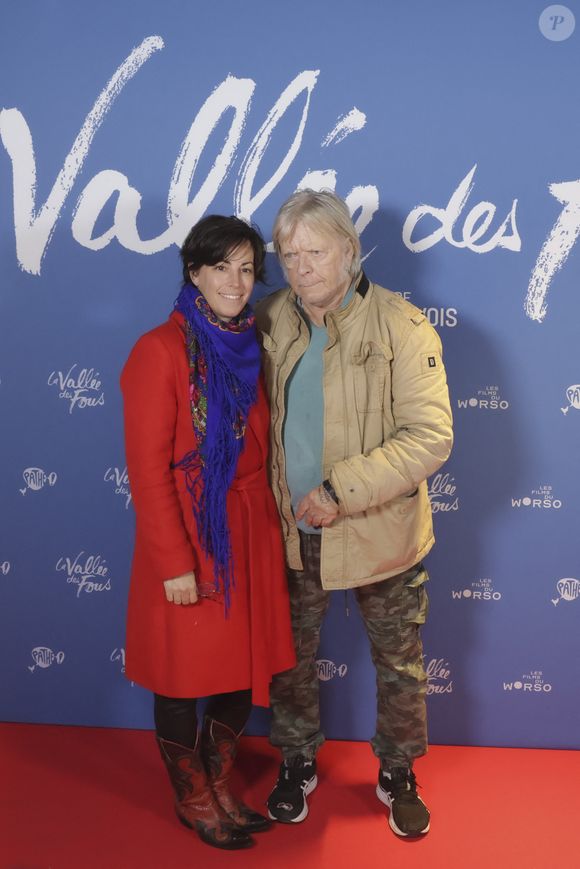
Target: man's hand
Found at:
x=317, y=508
x=181, y=589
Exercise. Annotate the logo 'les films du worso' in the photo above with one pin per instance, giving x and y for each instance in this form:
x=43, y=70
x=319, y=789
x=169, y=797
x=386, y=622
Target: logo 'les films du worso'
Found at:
x=541, y=498
x=488, y=398
x=478, y=590
x=530, y=683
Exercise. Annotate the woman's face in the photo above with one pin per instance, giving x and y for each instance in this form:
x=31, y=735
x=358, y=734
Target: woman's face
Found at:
x=227, y=285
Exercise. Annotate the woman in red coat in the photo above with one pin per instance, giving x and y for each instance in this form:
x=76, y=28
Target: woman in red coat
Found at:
x=208, y=605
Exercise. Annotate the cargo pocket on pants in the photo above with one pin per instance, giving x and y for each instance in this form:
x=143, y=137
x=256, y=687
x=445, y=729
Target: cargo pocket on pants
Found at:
x=414, y=602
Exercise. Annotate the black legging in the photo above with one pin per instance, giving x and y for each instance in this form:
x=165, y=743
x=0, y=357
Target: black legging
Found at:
x=176, y=717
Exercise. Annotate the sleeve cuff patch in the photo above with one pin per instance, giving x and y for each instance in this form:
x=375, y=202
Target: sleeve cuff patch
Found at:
x=430, y=362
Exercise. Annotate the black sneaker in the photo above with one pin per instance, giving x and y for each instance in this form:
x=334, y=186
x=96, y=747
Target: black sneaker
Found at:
x=397, y=789
x=297, y=779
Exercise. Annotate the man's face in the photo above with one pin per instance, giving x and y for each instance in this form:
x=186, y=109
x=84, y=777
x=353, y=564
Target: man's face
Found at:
x=317, y=265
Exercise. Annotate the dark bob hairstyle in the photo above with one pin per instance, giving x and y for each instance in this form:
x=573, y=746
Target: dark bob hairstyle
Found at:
x=214, y=238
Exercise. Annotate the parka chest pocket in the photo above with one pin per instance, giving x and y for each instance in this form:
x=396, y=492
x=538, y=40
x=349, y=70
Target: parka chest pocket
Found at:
x=370, y=370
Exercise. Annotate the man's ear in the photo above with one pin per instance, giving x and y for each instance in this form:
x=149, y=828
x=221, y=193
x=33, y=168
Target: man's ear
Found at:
x=348, y=252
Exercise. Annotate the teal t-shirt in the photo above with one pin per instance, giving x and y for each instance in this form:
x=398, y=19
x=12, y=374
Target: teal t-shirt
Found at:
x=304, y=422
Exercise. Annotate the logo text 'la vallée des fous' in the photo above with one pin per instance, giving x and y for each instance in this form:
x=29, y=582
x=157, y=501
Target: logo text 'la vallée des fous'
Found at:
x=82, y=387
x=120, y=480
x=44, y=658
x=88, y=572
x=36, y=479
x=530, y=683
x=327, y=670
x=443, y=493
x=478, y=230
x=117, y=656
x=568, y=590
x=439, y=679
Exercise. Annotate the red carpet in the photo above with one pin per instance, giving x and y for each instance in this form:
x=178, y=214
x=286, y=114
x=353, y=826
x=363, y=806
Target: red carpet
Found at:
x=82, y=798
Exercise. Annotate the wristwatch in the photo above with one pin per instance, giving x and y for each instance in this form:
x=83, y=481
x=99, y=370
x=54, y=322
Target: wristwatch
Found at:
x=329, y=489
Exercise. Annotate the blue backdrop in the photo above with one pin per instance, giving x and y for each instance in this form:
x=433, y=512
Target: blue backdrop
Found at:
x=452, y=129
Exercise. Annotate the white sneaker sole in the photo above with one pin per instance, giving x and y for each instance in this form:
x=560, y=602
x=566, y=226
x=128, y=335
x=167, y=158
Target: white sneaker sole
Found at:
x=310, y=785
x=386, y=800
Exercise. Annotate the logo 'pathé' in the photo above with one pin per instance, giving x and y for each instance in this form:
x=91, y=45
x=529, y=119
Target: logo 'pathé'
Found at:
x=89, y=573
x=568, y=589
x=479, y=590
x=36, y=479
x=530, y=683
x=443, y=493
x=573, y=396
x=81, y=387
x=44, y=658
x=439, y=679
x=541, y=498
x=488, y=398
x=327, y=670
x=120, y=480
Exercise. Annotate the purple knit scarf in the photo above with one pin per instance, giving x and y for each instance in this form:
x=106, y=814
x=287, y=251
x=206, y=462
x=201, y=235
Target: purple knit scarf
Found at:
x=224, y=363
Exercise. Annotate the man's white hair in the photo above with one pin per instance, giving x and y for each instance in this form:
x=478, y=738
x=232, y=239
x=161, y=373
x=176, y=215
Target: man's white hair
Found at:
x=324, y=212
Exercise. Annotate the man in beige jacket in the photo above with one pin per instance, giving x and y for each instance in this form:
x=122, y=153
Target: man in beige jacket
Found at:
x=360, y=418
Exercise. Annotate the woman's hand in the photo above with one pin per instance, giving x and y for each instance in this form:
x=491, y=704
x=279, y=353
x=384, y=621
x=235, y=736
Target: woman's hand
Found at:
x=181, y=589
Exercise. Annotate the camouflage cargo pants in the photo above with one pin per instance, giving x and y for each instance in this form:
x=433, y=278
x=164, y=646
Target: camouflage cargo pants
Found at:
x=392, y=611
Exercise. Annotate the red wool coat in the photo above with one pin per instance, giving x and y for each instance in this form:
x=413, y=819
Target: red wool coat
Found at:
x=195, y=651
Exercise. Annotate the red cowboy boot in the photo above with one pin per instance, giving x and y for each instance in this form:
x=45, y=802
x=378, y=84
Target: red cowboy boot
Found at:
x=219, y=747
x=195, y=803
